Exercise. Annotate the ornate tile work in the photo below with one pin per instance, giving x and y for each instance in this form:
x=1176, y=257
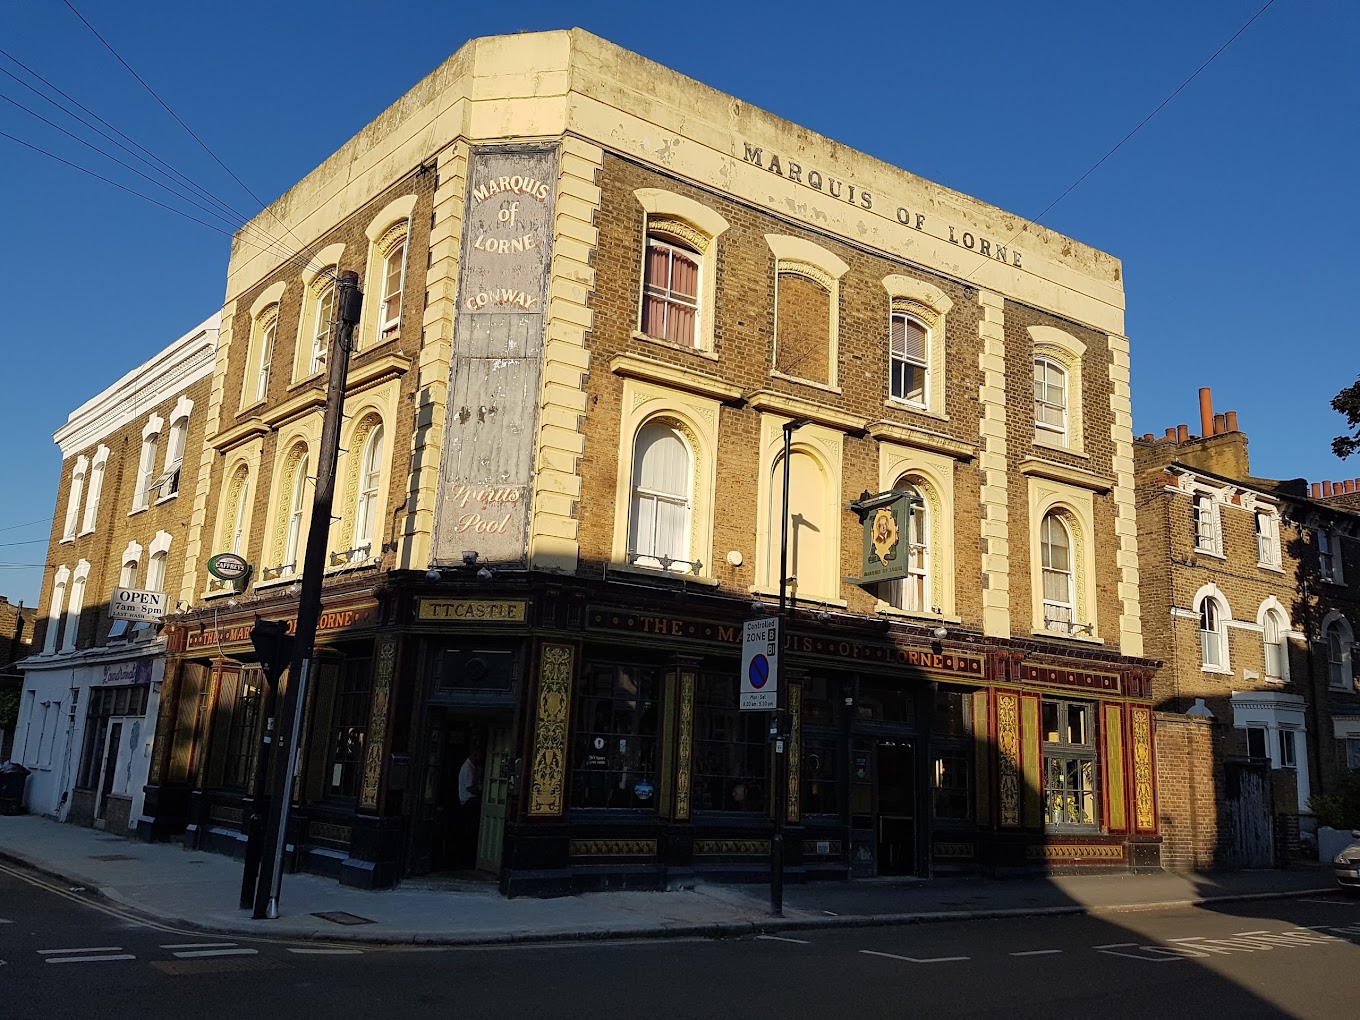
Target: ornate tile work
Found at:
x=546, y=787
x=1144, y=809
x=1008, y=757
x=684, y=751
x=376, y=739
x=795, y=753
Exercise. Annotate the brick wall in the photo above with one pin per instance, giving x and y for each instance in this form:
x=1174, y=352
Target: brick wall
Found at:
x=1189, y=781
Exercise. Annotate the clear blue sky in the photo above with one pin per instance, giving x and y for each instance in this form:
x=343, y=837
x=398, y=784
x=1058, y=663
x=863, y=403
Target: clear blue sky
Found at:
x=1233, y=210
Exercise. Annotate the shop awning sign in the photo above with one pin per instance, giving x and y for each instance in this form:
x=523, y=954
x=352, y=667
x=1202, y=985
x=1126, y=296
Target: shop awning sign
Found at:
x=138, y=606
x=760, y=665
x=887, y=535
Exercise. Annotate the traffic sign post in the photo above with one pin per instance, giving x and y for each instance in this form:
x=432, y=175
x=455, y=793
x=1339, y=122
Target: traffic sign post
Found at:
x=760, y=665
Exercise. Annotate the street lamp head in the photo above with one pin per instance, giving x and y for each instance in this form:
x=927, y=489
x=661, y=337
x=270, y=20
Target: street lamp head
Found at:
x=796, y=424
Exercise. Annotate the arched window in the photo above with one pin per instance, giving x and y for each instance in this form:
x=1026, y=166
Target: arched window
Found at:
x=394, y=282
x=267, y=334
x=323, y=317
x=1208, y=531
x=74, y=608
x=670, y=290
x=1050, y=401
x=909, y=359
x=96, y=490
x=1338, y=638
x=146, y=470
x=174, y=457
x=237, y=526
x=55, y=609
x=1272, y=634
x=73, y=499
x=1055, y=551
x=659, y=519
x=296, y=509
x=1211, y=650
x=912, y=592
x=155, y=572
x=366, y=504
x=1267, y=539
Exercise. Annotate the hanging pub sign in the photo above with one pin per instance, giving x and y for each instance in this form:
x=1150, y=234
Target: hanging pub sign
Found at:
x=887, y=535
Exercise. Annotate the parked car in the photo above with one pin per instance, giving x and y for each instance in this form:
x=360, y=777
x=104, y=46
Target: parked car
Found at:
x=1347, y=864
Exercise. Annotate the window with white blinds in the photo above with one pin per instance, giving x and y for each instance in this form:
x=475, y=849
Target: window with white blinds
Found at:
x=908, y=340
x=659, y=525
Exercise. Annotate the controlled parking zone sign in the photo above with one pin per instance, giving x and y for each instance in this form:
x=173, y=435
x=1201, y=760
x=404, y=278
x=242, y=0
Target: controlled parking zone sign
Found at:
x=760, y=665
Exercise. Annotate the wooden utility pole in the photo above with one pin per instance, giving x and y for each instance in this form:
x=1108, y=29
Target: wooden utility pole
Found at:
x=349, y=303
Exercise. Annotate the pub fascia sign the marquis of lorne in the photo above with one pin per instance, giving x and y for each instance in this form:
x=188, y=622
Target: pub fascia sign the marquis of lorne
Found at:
x=814, y=179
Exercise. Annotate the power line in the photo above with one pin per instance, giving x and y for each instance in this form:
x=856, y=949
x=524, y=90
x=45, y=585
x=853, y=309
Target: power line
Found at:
x=35, y=541
x=12, y=527
x=155, y=163
x=1138, y=127
x=259, y=201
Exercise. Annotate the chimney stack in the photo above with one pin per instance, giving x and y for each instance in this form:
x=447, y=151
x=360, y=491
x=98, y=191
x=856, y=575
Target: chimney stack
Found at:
x=1232, y=421
x=1206, y=412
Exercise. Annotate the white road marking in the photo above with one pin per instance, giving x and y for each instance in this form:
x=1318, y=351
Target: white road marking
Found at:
x=83, y=949
x=912, y=959
x=1237, y=933
x=1038, y=952
x=1115, y=945
x=199, y=945
x=88, y=959
x=195, y=954
x=780, y=938
x=1330, y=903
x=5, y=920
x=327, y=952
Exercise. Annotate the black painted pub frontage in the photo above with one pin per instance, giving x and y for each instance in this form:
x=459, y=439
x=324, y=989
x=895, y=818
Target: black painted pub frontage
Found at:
x=558, y=734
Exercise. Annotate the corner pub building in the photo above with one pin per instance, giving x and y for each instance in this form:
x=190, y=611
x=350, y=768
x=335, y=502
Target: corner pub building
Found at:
x=596, y=292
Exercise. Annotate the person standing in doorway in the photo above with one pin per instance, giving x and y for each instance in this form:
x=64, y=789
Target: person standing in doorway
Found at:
x=470, y=806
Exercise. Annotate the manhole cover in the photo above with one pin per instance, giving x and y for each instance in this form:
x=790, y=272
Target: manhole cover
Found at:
x=111, y=857
x=341, y=917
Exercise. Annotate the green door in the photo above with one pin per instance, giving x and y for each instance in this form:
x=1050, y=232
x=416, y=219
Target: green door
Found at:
x=495, y=786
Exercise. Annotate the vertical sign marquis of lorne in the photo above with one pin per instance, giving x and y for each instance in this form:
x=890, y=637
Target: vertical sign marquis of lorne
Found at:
x=760, y=665
x=497, y=356
x=887, y=535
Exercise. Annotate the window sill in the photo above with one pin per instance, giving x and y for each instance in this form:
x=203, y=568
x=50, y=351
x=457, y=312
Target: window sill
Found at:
x=1043, y=441
x=1332, y=581
x=167, y=499
x=800, y=601
x=673, y=575
x=87, y=531
x=888, y=609
x=1080, y=639
x=1210, y=552
x=673, y=346
x=68, y=539
x=1216, y=670
x=367, y=563
x=317, y=378
x=1274, y=568
x=893, y=404
x=278, y=582
x=254, y=405
x=138, y=509
x=826, y=387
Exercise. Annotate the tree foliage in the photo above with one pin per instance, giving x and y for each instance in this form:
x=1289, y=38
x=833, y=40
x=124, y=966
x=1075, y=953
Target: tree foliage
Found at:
x=1348, y=403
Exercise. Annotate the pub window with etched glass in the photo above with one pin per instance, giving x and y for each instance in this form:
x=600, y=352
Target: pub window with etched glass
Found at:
x=952, y=756
x=1070, y=773
x=821, y=769
x=243, y=733
x=614, y=755
x=731, y=749
x=349, y=726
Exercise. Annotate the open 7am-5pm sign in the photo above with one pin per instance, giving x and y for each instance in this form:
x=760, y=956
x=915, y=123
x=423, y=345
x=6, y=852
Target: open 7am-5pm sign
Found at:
x=138, y=606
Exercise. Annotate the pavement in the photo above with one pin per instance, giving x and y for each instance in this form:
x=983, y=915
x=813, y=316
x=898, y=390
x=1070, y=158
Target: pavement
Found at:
x=199, y=891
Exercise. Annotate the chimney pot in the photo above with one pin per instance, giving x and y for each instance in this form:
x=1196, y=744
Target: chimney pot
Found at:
x=1317, y=490
x=1220, y=424
x=1170, y=434
x=1206, y=411
x=1147, y=437
x=1232, y=422
x=1182, y=433
x=1348, y=485
x=1326, y=489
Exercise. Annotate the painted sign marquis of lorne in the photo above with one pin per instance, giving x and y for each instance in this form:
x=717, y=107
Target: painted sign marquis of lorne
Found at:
x=852, y=194
x=487, y=464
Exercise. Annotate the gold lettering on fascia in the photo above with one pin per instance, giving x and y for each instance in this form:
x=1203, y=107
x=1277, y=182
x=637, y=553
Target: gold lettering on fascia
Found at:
x=510, y=612
x=849, y=193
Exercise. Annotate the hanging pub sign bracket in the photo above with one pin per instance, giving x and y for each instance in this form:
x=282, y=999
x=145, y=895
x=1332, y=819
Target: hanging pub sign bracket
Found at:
x=886, y=518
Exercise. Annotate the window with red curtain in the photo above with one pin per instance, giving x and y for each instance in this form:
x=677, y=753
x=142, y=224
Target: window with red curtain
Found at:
x=670, y=292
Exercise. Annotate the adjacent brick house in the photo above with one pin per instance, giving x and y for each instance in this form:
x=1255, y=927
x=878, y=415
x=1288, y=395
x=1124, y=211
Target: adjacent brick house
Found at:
x=90, y=689
x=1248, y=601
x=590, y=320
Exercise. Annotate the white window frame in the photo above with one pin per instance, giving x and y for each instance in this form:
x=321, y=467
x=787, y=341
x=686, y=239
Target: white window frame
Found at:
x=367, y=499
x=324, y=300
x=94, y=491
x=1058, y=434
x=391, y=323
x=146, y=466
x=1053, y=608
x=78, y=473
x=268, y=336
x=1338, y=639
x=1212, y=627
x=1267, y=539
x=1277, y=649
x=296, y=509
x=1329, y=556
x=667, y=295
x=1208, y=524
x=55, y=609
x=898, y=356
x=75, y=606
x=915, y=587
x=684, y=500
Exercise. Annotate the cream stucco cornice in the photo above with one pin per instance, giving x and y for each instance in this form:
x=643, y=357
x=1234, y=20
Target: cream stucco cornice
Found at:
x=893, y=432
x=295, y=406
x=376, y=372
x=1037, y=467
x=176, y=368
x=631, y=366
x=774, y=402
x=242, y=432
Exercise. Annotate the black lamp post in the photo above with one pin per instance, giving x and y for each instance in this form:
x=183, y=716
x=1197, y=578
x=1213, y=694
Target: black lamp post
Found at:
x=777, y=731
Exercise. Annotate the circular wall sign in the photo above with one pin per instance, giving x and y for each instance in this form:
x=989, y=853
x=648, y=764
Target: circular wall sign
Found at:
x=227, y=566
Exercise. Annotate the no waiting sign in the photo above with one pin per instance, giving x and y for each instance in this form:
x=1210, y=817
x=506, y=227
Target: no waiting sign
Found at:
x=760, y=665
